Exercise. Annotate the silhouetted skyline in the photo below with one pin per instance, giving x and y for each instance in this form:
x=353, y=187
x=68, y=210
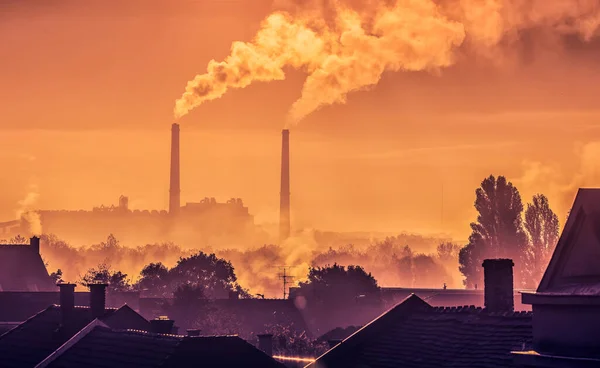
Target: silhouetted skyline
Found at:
x=395, y=143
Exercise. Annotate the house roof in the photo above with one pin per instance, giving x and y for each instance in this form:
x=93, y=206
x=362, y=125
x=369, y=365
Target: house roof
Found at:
x=253, y=314
x=103, y=347
x=415, y=334
x=22, y=269
x=573, y=268
x=446, y=297
x=217, y=352
x=7, y=326
x=36, y=338
x=338, y=333
x=17, y=306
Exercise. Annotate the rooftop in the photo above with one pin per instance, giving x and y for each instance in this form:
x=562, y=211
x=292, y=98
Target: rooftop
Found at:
x=22, y=268
x=33, y=340
x=415, y=334
x=573, y=269
x=105, y=347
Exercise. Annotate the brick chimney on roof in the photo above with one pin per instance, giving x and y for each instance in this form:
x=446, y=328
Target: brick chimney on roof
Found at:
x=265, y=343
x=67, y=301
x=97, y=299
x=193, y=333
x=162, y=325
x=34, y=243
x=498, y=280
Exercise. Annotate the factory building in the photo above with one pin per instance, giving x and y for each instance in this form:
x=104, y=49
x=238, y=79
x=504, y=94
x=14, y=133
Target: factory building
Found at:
x=204, y=220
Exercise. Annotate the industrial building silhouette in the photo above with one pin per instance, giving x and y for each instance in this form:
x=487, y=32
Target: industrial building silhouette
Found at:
x=205, y=219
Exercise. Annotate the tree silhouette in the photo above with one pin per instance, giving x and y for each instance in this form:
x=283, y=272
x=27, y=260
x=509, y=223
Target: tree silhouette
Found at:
x=288, y=341
x=56, y=276
x=542, y=225
x=448, y=251
x=154, y=280
x=404, y=267
x=498, y=231
x=19, y=239
x=116, y=280
x=338, y=283
x=214, y=276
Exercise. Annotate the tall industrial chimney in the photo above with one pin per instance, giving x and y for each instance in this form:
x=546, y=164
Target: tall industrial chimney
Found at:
x=175, y=190
x=284, y=194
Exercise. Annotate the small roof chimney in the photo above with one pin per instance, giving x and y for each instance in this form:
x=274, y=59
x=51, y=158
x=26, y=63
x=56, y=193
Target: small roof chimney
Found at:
x=162, y=325
x=498, y=280
x=34, y=243
x=193, y=332
x=67, y=301
x=97, y=299
x=265, y=343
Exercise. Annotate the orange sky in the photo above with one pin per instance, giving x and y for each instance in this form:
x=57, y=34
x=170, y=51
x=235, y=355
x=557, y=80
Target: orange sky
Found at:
x=87, y=95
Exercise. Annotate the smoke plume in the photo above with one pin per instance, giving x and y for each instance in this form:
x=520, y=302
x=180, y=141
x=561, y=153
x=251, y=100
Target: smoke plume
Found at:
x=25, y=210
x=345, y=48
x=559, y=183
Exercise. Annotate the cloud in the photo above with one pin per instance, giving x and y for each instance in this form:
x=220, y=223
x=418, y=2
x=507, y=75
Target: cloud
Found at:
x=344, y=48
x=559, y=183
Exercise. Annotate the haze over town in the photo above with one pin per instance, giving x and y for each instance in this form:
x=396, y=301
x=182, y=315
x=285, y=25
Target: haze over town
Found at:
x=100, y=102
x=86, y=117
x=299, y=183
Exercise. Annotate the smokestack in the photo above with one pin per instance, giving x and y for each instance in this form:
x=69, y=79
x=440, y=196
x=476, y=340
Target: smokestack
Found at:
x=175, y=190
x=284, y=194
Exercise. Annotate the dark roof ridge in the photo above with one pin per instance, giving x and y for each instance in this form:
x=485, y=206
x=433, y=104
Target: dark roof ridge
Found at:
x=214, y=337
x=132, y=331
x=457, y=309
x=95, y=324
x=26, y=321
x=177, y=336
x=510, y=314
x=401, y=311
x=478, y=310
x=88, y=307
x=110, y=309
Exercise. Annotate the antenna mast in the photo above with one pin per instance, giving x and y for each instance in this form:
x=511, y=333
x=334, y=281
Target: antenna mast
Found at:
x=285, y=277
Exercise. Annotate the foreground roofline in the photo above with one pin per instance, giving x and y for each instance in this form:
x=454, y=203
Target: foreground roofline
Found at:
x=72, y=341
x=401, y=310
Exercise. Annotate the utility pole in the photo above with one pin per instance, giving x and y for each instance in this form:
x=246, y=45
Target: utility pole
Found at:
x=285, y=277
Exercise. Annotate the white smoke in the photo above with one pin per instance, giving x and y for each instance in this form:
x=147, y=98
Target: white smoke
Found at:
x=343, y=47
x=26, y=210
